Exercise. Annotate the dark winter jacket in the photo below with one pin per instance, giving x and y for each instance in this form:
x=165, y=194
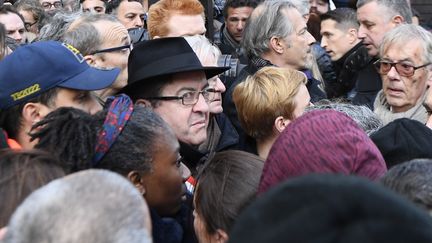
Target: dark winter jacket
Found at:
x=247, y=143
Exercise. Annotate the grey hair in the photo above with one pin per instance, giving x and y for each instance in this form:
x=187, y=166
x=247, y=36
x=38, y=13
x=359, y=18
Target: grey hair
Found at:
x=394, y=7
x=58, y=25
x=91, y=206
x=265, y=22
x=303, y=6
x=35, y=8
x=363, y=116
x=403, y=34
x=84, y=36
x=202, y=47
x=412, y=179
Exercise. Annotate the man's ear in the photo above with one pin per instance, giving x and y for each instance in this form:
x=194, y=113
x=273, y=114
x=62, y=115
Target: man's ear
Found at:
x=143, y=102
x=352, y=36
x=93, y=60
x=281, y=123
x=397, y=20
x=34, y=112
x=277, y=45
x=136, y=179
x=220, y=236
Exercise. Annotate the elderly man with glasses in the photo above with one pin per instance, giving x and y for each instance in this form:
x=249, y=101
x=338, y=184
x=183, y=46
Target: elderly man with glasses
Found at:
x=51, y=6
x=104, y=43
x=167, y=75
x=406, y=72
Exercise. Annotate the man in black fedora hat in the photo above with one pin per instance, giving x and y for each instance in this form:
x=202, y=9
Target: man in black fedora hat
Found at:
x=167, y=75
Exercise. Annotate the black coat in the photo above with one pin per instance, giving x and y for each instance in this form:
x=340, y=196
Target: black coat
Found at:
x=246, y=143
x=357, y=79
x=229, y=139
x=176, y=229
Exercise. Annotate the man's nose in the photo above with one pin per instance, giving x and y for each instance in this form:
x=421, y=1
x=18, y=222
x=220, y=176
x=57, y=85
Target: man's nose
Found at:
x=17, y=36
x=310, y=38
x=361, y=32
x=138, y=22
x=240, y=25
x=201, y=105
x=392, y=73
x=323, y=42
x=220, y=86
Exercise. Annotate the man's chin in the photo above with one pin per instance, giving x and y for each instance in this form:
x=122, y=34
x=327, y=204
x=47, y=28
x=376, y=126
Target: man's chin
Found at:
x=196, y=139
x=372, y=51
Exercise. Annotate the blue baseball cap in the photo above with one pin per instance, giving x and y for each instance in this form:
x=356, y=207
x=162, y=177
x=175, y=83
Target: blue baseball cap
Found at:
x=35, y=68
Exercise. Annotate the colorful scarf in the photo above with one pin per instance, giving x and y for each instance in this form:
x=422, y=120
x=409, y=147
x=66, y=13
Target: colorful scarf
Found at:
x=119, y=112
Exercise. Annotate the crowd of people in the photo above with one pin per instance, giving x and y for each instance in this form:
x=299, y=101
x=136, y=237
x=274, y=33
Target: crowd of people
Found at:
x=297, y=121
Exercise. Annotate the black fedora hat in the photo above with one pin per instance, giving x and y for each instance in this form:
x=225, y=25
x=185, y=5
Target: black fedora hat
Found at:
x=160, y=57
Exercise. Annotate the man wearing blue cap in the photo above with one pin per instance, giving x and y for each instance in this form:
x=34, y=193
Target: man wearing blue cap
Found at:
x=41, y=77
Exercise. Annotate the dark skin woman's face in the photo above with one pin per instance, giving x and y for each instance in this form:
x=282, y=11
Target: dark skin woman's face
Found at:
x=164, y=184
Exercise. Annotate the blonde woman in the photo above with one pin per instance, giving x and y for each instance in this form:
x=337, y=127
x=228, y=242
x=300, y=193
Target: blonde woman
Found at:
x=268, y=101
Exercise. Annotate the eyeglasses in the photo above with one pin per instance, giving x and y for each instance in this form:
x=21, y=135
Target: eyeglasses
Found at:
x=404, y=69
x=27, y=25
x=47, y=5
x=189, y=98
x=128, y=46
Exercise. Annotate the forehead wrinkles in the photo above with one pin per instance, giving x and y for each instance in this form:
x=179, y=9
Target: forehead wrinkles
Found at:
x=111, y=31
x=397, y=49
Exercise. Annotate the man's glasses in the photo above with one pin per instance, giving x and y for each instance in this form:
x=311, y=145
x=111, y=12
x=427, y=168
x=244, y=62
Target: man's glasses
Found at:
x=404, y=69
x=189, y=98
x=47, y=5
x=28, y=25
x=128, y=46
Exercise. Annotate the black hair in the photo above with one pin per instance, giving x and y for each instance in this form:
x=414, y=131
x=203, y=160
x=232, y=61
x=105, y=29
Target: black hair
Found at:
x=149, y=88
x=112, y=5
x=342, y=16
x=71, y=134
x=239, y=4
x=11, y=118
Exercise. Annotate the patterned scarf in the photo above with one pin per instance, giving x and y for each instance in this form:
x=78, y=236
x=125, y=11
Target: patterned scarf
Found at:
x=119, y=112
x=382, y=109
x=229, y=40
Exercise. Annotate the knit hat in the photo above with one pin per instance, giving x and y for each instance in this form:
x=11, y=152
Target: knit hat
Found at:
x=402, y=140
x=331, y=209
x=324, y=141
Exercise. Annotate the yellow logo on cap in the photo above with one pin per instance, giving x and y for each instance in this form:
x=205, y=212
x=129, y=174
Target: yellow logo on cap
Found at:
x=25, y=92
x=74, y=51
